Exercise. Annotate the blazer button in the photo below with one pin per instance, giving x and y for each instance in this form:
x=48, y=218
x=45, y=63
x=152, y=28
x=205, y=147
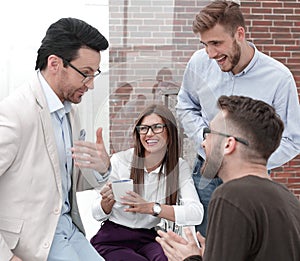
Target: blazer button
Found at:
x=46, y=245
x=56, y=211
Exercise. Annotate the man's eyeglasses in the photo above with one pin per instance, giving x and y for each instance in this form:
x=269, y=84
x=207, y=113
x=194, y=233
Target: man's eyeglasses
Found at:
x=156, y=128
x=87, y=77
x=208, y=130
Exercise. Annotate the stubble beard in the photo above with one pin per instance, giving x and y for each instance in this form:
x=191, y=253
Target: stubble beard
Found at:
x=212, y=166
x=234, y=58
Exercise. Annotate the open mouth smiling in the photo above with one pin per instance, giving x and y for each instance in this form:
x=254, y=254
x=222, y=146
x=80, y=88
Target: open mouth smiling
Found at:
x=221, y=60
x=151, y=142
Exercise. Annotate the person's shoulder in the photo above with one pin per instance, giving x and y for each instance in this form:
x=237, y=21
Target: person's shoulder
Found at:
x=20, y=96
x=248, y=185
x=275, y=65
x=241, y=182
x=200, y=53
x=124, y=156
x=235, y=193
x=240, y=186
x=199, y=57
x=21, y=91
x=255, y=194
x=183, y=163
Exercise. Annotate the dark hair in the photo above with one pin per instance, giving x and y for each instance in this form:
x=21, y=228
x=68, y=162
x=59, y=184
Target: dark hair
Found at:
x=225, y=13
x=256, y=120
x=65, y=37
x=170, y=162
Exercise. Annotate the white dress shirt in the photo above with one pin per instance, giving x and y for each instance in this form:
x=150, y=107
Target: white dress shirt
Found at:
x=189, y=212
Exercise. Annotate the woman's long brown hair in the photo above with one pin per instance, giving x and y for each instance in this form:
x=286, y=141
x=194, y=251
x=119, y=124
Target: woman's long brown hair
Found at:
x=171, y=170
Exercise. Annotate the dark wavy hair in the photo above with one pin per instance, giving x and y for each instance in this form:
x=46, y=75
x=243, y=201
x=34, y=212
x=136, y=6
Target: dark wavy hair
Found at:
x=225, y=13
x=171, y=170
x=65, y=37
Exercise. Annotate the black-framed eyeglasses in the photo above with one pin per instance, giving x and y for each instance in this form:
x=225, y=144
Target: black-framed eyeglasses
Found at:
x=208, y=130
x=87, y=77
x=156, y=128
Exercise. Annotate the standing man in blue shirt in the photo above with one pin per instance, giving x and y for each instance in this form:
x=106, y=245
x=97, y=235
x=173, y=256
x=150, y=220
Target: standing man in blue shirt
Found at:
x=230, y=65
x=41, y=148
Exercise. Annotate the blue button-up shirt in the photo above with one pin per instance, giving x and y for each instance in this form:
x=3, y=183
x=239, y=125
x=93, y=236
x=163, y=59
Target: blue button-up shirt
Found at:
x=264, y=79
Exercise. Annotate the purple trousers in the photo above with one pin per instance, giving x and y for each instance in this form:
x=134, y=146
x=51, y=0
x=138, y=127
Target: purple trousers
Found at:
x=120, y=243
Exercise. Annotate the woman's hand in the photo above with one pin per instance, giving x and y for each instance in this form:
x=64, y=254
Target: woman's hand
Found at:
x=136, y=203
x=108, y=199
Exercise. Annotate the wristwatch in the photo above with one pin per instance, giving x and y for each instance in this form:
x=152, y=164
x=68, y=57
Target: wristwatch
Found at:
x=156, y=209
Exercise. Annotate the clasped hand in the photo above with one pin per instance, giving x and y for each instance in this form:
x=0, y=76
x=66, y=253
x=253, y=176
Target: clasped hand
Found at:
x=177, y=248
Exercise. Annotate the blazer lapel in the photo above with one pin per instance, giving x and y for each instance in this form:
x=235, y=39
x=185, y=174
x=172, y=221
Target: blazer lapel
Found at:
x=74, y=122
x=47, y=127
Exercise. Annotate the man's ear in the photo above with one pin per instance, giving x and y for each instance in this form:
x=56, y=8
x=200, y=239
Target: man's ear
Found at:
x=240, y=34
x=54, y=62
x=229, y=145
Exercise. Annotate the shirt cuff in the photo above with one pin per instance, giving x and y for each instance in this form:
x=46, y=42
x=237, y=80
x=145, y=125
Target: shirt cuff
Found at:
x=97, y=211
x=102, y=177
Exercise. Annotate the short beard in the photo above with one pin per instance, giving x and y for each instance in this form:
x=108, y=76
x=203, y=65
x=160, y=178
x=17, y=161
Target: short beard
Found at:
x=212, y=165
x=234, y=60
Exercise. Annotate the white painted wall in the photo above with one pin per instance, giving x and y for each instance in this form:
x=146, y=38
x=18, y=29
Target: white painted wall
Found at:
x=23, y=25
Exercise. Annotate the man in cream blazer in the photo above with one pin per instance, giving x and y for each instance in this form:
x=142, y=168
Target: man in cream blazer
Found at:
x=31, y=194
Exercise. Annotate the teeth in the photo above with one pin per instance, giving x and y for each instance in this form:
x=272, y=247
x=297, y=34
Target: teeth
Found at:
x=220, y=58
x=151, y=141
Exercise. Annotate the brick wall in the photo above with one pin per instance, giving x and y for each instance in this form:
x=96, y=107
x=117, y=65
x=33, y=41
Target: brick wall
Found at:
x=151, y=42
x=274, y=26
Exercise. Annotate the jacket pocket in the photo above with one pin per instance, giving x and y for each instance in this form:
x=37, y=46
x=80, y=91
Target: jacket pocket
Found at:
x=10, y=229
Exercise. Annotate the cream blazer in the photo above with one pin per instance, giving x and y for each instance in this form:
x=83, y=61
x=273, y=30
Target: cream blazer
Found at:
x=30, y=179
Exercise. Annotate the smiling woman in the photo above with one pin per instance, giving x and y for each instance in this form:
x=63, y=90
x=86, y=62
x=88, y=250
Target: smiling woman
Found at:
x=160, y=177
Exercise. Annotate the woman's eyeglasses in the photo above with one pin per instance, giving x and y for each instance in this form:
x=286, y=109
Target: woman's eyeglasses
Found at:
x=156, y=128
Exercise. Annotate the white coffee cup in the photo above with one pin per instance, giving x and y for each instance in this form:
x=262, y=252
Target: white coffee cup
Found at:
x=120, y=187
